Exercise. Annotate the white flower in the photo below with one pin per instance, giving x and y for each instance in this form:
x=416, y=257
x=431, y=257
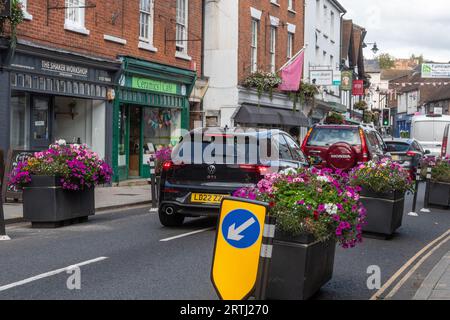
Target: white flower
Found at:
x=331, y=209
x=322, y=179
x=61, y=142
x=289, y=171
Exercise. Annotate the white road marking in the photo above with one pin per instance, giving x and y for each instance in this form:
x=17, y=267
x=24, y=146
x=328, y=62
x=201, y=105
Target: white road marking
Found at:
x=409, y=263
x=49, y=274
x=187, y=234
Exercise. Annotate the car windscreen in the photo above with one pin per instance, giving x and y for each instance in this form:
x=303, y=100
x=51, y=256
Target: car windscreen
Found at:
x=397, y=146
x=323, y=137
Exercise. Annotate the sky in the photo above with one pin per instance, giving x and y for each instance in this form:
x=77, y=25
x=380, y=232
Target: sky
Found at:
x=404, y=27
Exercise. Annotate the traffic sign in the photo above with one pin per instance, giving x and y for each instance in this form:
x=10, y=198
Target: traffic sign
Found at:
x=237, y=252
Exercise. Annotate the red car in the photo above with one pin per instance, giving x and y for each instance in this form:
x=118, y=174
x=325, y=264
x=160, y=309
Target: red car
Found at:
x=343, y=146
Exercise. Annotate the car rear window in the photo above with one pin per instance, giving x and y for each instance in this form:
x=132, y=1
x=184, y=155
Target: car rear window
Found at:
x=397, y=146
x=322, y=137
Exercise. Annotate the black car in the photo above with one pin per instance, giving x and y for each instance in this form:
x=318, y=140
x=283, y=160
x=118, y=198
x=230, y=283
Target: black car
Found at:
x=407, y=152
x=209, y=164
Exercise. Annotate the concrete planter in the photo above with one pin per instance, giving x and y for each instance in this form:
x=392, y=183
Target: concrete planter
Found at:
x=299, y=267
x=384, y=211
x=47, y=205
x=438, y=194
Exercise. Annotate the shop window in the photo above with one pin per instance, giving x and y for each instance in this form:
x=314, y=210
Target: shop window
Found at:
x=161, y=128
x=19, y=122
x=28, y=81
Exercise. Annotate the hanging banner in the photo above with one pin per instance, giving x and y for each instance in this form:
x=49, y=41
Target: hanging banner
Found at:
x=358, y=87
x=347, y=80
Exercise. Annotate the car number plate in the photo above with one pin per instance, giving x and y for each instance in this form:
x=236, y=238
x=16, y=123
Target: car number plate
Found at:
x=207, y=198
x=396, y=158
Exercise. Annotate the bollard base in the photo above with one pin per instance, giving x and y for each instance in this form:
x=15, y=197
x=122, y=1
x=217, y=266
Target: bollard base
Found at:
x=4, y=238
x=413, y=214
x=425, y=210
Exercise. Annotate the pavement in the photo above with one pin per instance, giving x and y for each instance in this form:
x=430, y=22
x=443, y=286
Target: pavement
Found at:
x=437, y=284
x=106, y=198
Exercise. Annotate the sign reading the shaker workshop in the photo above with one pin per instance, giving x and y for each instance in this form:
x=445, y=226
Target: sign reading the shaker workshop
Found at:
x=63, y=69
x=436, y=70
x=322, y=77
x=5, y=8
x=238, y=246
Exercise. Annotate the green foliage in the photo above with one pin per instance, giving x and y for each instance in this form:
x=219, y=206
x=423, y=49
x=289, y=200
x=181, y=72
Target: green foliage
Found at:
x=440, y=170
x=305, y=94
x=361, y=105
x=386, y=61
x=14, y=20
x=263, y=82
x=335, y=118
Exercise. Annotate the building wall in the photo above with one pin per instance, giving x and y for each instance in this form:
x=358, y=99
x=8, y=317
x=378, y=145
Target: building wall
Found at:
x=268, y=8
x=118, y=19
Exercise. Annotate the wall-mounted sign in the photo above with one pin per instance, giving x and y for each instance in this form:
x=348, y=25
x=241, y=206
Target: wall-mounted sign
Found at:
x=5, y=8
x=154, y=85
x=347, y=80
x=435, y=70
x=63, y=69
x=321, y=77
x=337, y=78
x=358, y=87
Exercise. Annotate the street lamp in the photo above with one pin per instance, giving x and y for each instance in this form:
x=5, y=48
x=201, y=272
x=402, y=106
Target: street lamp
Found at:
x=374, y=48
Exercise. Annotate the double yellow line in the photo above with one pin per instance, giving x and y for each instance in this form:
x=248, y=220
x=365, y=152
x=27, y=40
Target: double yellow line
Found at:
x=413, y=265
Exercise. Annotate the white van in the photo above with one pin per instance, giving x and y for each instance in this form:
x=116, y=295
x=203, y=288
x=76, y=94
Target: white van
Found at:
x=429, y=131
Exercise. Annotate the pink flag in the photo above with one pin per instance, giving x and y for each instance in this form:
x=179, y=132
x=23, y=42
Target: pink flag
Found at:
x=292, y=74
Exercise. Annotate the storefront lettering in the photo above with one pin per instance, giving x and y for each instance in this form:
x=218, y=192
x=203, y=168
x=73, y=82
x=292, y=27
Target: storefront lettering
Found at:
x=154, y=85
x=64, y=69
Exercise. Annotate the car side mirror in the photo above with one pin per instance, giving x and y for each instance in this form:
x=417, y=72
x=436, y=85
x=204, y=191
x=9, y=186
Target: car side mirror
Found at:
x=427, y=152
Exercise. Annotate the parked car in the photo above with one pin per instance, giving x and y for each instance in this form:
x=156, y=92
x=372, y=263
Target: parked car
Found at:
x=343, y=146
x=197, y=188
x=429, y=130
x=407, y=152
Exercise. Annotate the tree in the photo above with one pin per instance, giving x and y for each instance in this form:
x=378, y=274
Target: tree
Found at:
x=386, y=61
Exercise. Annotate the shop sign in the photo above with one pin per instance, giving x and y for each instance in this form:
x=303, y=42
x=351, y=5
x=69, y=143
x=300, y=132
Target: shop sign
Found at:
x=63, y=69
x=358, y=87
x=322, y=77
x=436, y=70
x=5, y=8
x=347, y=80
x=154, y=85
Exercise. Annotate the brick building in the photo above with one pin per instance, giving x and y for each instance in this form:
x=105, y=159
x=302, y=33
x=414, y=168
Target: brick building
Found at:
x=114, y=74
x=244, y=37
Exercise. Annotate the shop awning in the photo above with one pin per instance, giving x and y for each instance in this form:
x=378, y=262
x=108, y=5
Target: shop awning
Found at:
x=250, y=114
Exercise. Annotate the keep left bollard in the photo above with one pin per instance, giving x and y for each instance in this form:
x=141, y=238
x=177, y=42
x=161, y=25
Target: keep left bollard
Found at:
x=3, y=236
x=427, y=192
x=153, y=185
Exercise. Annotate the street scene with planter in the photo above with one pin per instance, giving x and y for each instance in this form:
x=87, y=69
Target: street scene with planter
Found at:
x=226, y=150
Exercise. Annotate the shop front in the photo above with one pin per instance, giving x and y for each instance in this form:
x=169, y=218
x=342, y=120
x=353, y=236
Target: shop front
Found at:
x=56, y=95
x=150, y=110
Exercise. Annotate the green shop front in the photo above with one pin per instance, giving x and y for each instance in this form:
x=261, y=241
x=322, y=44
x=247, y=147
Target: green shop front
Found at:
x=150, y=110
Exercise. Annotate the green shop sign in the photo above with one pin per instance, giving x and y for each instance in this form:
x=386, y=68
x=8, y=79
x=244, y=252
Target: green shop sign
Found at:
x=154, y=85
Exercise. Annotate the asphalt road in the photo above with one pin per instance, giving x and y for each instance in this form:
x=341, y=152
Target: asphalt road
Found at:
x=133, y=263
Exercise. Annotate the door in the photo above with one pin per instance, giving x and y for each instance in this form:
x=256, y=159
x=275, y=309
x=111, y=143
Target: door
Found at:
x=135, y=141
x=41, y=115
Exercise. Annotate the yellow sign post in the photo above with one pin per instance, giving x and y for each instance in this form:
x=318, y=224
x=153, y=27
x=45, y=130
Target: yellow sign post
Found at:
x=236, y=266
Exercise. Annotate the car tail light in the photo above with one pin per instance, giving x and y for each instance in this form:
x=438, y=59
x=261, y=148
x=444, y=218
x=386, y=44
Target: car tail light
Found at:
x=167, y=165
x=262, y=170
x=411, y=153
x=305, y=141
x=444, y=146
x=365, y=149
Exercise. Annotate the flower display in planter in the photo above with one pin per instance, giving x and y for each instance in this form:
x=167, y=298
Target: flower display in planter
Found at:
x=263, y=82
x=382, y=176
x=335, y=118
x=312, y=202
x=77, y=167
x=440, y=169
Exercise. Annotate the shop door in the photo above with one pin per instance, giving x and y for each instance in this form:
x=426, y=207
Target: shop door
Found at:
x=41, y=110
x=135, y=142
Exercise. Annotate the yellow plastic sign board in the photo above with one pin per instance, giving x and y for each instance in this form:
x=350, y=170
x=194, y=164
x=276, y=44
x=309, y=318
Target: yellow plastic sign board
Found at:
x=238, y=248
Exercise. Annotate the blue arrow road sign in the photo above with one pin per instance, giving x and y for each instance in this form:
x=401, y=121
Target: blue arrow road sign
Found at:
x=241, y=229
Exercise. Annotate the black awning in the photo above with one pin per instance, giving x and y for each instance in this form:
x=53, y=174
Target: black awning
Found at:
x=250, y=114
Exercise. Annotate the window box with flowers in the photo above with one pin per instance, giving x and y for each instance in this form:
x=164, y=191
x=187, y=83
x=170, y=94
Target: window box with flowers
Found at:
x=383, y=186
x=263, y=82
x=438, y=187
x=313, y=210
x=58, y=184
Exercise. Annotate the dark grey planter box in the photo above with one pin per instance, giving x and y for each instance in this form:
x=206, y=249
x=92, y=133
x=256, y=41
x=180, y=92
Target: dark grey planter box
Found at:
x=384, y=211
x=438, y=194
x=299, y=267
x=46, y=204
